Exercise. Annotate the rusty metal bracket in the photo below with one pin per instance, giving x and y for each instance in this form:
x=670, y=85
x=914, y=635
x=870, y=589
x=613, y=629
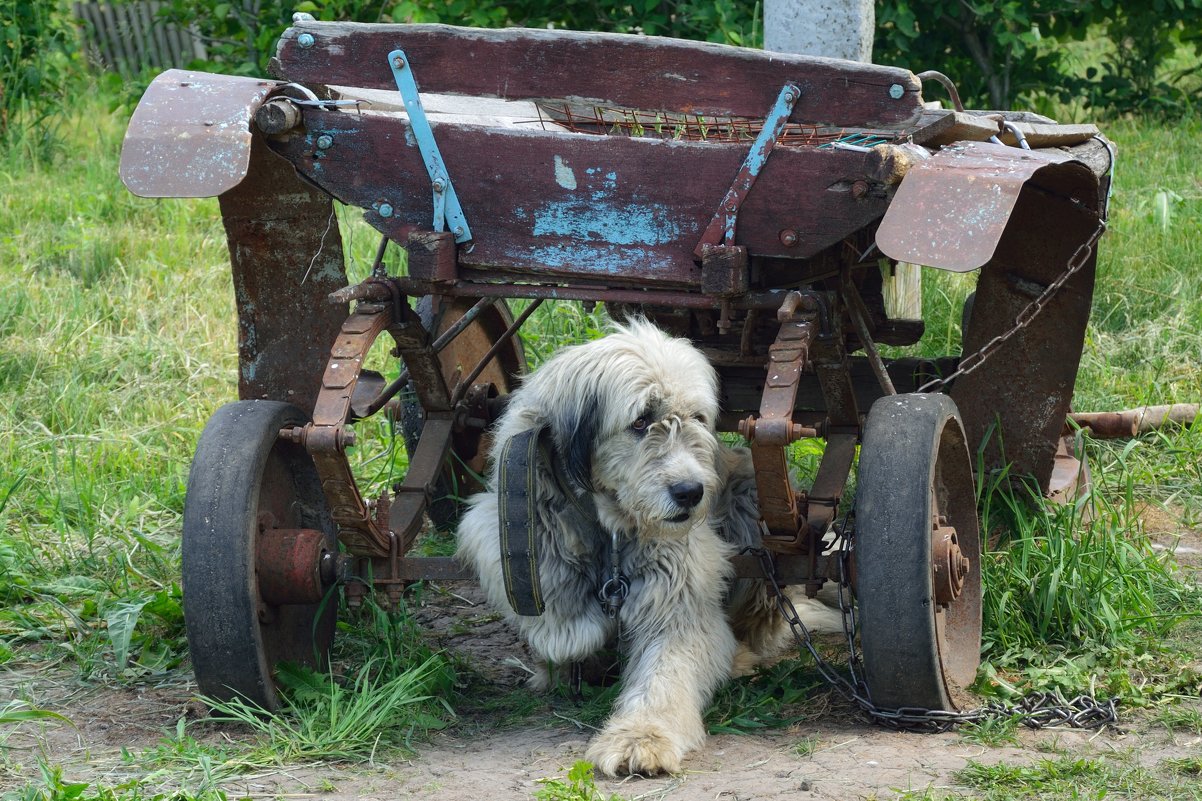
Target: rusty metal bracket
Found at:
x=374, y=529
x=721, y=229
x=773, y=430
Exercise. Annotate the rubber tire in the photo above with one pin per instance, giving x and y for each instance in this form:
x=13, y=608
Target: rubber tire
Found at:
x=242, y=470
x=915, y=465
x=454, y=483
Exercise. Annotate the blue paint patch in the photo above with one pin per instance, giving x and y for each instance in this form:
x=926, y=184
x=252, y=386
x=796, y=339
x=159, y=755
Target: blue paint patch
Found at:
x=595, y=220
x=597, y=259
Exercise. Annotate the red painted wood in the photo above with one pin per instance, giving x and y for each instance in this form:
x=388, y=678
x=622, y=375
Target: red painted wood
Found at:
x=614, y=210
x=642, y=72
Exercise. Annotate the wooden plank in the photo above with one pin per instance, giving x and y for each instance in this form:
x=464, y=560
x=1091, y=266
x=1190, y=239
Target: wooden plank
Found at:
x=642, y=72
x=614, y=210
x=1044, y=135
x=942, y=127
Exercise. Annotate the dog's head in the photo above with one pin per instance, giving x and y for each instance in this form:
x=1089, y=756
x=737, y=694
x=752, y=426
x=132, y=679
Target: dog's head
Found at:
x=631, y=417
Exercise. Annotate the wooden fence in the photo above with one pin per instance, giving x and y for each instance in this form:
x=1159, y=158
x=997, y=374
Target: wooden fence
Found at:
x=128, y=37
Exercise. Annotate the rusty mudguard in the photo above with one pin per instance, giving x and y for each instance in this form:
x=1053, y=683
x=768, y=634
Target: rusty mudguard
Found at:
x=191, y=136
x=1020, y=216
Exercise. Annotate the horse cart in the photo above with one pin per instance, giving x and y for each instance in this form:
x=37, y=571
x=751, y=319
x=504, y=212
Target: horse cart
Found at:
x=757, y=203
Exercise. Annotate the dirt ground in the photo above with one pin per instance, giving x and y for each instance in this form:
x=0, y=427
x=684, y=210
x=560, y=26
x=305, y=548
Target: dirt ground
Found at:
x=849, y=759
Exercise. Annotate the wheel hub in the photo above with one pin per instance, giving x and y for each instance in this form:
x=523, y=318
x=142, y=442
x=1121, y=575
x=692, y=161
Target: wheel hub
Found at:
x=950, y=566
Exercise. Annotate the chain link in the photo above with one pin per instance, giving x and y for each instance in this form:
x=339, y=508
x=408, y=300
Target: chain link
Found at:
x=1024, y=318
x=1036, y=710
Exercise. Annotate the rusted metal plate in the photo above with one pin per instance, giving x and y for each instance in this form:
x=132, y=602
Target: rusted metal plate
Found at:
x=951, y=210
x=286, y=256
x=190, y=134
x=1017, y=401
x=588, y=207
x=644, y=72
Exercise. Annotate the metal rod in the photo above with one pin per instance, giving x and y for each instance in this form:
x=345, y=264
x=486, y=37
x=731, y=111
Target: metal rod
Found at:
x=859, y=320
x=503, y=340
x=390, y=391
x=377, y=266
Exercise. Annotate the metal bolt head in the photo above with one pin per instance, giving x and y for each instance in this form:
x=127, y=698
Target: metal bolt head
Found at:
x=896, y=91
x=859, y=189
x=385, y=210
x=791, y=94
x=399, y=63
x=459, y=231
x=324, y=141
x=732, y=207
x=439, y=185
x=305, y=40
x=788, y=237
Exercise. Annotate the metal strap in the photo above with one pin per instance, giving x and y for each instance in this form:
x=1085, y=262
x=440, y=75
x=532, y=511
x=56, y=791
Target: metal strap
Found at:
x=448, y=214
x=722, y=227
x=518, y=521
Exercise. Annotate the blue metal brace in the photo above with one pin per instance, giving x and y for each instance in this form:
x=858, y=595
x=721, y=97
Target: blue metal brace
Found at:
x=721, y=229
x=448, y=214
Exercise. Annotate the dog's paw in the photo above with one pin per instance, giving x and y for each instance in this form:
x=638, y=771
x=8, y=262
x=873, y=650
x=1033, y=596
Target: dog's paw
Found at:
x=634, y=748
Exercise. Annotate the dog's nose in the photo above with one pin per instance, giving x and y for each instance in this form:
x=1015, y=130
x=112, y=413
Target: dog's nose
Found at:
x=687, y=494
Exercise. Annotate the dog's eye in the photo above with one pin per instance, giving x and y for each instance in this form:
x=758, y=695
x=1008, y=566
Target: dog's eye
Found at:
x=640, y=425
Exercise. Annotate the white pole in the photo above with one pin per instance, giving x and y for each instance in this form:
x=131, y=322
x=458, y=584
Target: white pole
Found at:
x=833, y=28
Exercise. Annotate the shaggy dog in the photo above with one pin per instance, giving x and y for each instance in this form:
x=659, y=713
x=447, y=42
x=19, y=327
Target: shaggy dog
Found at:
x=633, y=507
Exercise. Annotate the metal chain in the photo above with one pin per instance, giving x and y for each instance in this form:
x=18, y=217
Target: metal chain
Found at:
x=1036, y=710
x=1024, y=318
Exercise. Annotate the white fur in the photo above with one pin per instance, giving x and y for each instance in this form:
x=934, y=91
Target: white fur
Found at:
x=674, y=628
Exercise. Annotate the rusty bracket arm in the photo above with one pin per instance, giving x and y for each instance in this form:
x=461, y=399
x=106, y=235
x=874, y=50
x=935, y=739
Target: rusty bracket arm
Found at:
x=721, y=229
x=773, y=430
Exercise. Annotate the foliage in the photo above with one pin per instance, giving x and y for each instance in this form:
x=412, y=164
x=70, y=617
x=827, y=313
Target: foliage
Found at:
x=241, y=42
x=999, y=53
x=36, y=41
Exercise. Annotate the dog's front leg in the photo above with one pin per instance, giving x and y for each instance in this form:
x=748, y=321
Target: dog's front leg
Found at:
x=680, y=648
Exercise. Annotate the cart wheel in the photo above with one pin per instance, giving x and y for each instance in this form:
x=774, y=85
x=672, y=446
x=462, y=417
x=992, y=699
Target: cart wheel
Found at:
x=917, y=554
x=469, y=449
x=259, y=554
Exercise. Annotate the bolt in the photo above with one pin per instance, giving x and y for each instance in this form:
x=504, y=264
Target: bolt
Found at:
x=788, y=237
x=324, y=141
x=791, y=94
x=385, y=210
x=732, y=207
x=459, y=231
x=305, y=40
x=747, y=428
x=859, y=189
x=398, y=63
x=439, y=185
x=896, y=91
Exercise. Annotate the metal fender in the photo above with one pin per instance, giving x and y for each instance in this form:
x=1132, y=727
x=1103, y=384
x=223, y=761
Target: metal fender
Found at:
x=1020, y=216
x=190, y=135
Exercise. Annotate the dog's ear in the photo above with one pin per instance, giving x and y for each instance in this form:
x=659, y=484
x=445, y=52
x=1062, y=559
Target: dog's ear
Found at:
x=573, y=430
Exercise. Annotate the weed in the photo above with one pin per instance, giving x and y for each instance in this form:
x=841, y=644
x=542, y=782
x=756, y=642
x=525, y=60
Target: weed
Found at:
x=51, y=786
x=773, y=697
x=1063, y=778
x=806, y=746
x=1177, y=719
x=580, y=785
x=991, y=731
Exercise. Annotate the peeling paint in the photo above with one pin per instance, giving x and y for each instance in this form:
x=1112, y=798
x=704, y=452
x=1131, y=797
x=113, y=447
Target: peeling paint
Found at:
x=564, y=175
x=598, y=219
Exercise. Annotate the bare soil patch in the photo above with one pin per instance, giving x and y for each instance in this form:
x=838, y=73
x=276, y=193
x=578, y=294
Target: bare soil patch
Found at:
x=843, y=758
